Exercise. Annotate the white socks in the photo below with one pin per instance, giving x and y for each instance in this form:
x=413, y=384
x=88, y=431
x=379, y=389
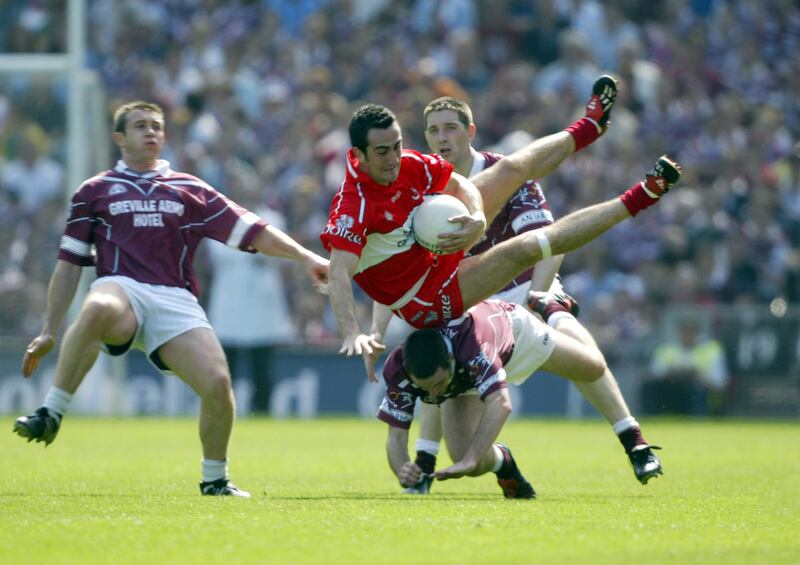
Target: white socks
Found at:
x=498, y=459
x=625, y=424
x=214, y=470
x=428, y=445
x=57, y=400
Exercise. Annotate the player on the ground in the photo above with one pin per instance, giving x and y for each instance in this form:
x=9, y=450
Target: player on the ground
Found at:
x=450, y=131
x=465, y=367
x=145, y=221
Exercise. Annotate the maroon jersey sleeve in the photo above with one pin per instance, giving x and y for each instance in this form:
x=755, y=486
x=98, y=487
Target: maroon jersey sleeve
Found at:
x=528, y=209
x=215, y=216
x=397, y=407
x=76, y=243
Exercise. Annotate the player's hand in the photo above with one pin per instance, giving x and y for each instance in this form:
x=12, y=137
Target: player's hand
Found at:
x=317, y=269
x=472, y=228
x=409, y=474
x=37, y=349
x=456, y=470
x=371, y=359
x=360, y=344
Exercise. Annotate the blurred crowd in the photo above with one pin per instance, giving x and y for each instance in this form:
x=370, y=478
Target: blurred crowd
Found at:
x=259, y=93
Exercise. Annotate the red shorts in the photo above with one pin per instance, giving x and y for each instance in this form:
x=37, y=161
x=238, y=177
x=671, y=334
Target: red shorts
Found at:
x=439, y=300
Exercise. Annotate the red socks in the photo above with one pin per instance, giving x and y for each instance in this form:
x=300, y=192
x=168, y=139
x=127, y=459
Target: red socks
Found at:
x=637, y=198
x=584, y=132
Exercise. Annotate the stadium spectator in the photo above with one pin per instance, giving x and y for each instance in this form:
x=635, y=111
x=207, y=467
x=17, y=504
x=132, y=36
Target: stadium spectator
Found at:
x=450, y=131
x=469, y=364
x=689, y=375
x=145, y=221
x=33, y=177
x=247, y=301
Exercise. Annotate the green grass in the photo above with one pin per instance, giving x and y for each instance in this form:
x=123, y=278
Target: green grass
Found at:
x=125, y=491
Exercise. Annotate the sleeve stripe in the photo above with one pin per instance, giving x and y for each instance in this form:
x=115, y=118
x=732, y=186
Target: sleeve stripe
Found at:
x=76, y=246
x=240, y=229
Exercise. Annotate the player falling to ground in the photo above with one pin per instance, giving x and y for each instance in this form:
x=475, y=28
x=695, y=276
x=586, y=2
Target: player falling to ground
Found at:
x=465, y=367
x=369, y=225
x=450, y=131
x=145, y=221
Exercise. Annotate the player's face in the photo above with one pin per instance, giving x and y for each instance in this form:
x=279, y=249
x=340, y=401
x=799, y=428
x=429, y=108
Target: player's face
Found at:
x=143, y=137
x=382, y=159
x=447, y=136
x=436, y=384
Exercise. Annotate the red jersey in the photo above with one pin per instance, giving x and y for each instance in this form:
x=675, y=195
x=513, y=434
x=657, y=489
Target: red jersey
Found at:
x=525, y=211
x=374, y=222
x=147, y=226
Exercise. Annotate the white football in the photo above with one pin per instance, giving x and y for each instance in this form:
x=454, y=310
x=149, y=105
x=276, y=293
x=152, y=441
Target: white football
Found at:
x=431, y=216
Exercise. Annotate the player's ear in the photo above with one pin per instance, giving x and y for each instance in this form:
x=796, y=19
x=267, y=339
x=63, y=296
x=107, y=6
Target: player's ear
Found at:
x=472, y=130
x=118, y=136
x=360, y=155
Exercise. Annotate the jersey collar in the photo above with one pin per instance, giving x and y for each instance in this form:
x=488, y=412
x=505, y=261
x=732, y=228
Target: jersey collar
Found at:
x=162, y=169
x=478, y=162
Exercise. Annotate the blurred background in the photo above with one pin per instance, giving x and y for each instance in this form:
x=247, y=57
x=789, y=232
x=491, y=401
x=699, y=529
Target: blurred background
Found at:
x=694, y=303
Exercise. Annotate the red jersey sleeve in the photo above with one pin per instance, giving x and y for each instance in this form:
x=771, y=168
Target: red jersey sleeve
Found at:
x=439, y=171
x=347, y=221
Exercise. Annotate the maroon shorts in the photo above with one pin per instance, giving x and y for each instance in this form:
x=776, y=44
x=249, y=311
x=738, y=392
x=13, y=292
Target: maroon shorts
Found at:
x=439, y=300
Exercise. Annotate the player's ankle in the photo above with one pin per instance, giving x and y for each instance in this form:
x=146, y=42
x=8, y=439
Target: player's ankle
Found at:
x=426, y=461
x=637, y=198
x=585, y=131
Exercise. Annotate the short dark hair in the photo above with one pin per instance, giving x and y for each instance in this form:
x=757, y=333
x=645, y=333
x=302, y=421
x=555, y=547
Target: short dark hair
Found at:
x=365, y=118
x=424, y=353
x=461, y=108
x=121, y=114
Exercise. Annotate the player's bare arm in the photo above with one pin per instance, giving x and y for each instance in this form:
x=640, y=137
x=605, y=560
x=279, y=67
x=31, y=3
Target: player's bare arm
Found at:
x=408, y=473
x=472, y=226
x=342, y=268
x=275, y=243
x=497, y=408
x=381, y=315
x=60, y=293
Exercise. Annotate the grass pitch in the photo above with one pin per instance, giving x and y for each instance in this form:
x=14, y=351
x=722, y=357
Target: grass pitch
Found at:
x=125, y=491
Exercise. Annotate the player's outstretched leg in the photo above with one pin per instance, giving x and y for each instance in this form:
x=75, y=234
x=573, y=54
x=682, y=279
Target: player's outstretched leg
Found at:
x=42, y=425
x=544, y=155
x=510, y=478
x=222, y=487
x=603, y=394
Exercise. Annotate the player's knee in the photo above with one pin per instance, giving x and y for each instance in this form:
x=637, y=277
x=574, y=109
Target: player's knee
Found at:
x=99, y=313
x=218, y=386
x=596, y=366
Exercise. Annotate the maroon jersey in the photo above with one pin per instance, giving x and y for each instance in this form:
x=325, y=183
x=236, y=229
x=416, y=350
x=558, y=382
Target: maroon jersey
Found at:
x=374, y=222
x=526, y=210
x=147, y=226
x=482, y=342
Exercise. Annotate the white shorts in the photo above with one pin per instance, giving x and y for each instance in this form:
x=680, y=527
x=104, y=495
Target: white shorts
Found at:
x=162, y=312
x=534, y=343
